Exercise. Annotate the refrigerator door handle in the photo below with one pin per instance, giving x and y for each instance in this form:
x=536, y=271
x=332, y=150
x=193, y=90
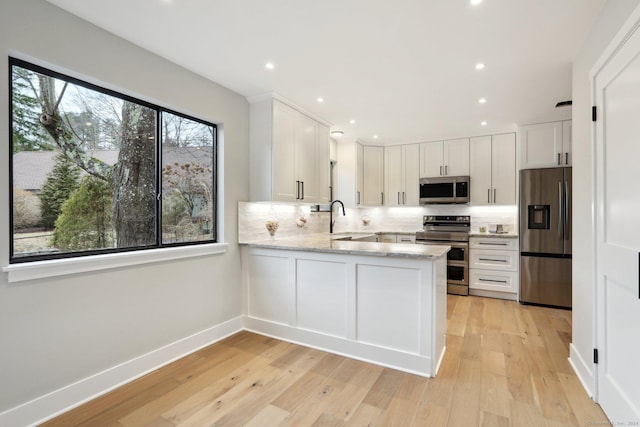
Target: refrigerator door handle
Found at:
x=566, y=211
x=560, y=211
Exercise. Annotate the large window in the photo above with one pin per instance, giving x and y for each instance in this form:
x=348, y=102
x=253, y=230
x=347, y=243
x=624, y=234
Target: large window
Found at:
x=95, y=171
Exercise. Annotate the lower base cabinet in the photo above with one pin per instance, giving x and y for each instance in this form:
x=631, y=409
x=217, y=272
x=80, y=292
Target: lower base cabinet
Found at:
x=493, y=267
x=385, y=310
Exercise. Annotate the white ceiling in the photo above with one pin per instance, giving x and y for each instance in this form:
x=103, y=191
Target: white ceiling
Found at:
x=403, y=69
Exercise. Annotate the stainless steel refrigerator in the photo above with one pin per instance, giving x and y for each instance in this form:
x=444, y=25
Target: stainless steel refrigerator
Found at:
x=545, y=236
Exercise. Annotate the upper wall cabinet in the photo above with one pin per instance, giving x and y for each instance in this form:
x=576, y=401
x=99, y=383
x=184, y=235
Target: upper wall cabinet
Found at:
x=545, y=145
x=359, y=173
x=401, y=175
x=444, y=158
x=288, y=154
x=493, y=169
x=372, y=176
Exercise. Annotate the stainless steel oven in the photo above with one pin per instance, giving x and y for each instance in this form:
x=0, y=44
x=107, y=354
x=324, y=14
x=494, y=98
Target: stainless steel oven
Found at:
x=452, y=231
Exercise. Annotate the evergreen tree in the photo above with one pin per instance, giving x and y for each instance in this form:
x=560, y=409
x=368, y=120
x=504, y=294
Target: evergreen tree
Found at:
x=28, y=133
x=60, y=183
x=85, y=220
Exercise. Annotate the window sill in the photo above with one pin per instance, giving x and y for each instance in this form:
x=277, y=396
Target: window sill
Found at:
x=62, y=267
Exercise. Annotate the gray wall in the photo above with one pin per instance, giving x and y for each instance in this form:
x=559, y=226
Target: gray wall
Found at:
x=613, y=15
x=54, y=332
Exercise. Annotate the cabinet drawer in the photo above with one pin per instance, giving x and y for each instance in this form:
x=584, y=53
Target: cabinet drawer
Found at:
x=499, y=243
x=493, y=260
x=500, y=281
x=406, y=238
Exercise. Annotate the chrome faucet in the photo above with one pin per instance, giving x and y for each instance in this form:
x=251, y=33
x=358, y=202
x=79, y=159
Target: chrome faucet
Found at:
x=331, y=221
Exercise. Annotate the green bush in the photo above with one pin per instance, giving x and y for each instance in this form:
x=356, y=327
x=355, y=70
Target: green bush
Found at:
x=85, y=220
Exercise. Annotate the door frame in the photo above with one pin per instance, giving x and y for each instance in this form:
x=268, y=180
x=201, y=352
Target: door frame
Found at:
x=626, y=31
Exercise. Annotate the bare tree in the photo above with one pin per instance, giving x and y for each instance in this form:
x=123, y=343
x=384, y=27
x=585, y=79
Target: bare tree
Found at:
x=134, y=189
x=132, y=177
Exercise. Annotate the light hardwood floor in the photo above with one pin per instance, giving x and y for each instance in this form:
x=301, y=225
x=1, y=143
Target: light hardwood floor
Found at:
x=506, y=365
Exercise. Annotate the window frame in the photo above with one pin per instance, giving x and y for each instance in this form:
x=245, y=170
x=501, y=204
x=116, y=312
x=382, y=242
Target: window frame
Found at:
x=158, y=246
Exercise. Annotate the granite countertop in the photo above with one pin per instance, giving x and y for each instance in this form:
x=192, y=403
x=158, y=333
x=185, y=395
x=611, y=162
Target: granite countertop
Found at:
x=329, y=244
x=490, y=234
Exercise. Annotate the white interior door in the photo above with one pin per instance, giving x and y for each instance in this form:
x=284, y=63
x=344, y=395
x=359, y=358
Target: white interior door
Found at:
x=617, y=97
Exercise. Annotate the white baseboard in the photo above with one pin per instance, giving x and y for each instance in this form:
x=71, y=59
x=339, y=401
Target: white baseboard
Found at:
x=55, y=403
x=582, y=369
x=388, y=357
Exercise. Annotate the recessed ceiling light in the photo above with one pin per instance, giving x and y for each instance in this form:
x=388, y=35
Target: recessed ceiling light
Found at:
x=269, y=66
x=375, y=136
x=320, y=100
x=479, y=66
x=476, y=2
x=483, y=123
x=336, y=133
x=482, y=100
x=352, y=121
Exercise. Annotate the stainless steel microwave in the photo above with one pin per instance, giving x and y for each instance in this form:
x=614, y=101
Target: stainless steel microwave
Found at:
x=444, y=189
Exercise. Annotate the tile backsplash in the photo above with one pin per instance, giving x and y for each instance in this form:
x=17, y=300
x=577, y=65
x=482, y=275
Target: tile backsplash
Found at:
x=252, y=217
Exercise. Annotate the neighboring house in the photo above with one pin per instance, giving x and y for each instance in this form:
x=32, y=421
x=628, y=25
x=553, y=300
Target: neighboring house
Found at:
x=31, y=168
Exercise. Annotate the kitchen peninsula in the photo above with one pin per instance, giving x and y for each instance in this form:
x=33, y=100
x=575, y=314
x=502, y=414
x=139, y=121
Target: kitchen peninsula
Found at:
x=383, y=303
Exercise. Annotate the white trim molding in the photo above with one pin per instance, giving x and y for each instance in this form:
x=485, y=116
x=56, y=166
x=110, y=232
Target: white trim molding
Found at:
x=61, y=267
x=582, y=369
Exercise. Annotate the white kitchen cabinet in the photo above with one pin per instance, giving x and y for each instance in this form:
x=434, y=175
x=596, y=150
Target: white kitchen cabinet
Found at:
x=288, y=155
x=493, y=169
x=359, y=173
x=402, y=166
x=373, y=175
x=567, y=136
x=444, y=158
x=493, y=267
x=393, y=180
x=397, y=238
x=493, y=259
x=406, y=238
x=545, y=145
x=389, y=310
x=388, y=238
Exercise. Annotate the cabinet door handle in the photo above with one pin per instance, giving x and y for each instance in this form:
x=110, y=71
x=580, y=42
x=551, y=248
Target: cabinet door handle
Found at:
x=382, y=198
x=494, y=195
x=488, y=195
x=492, y=244
x=302, y=196
x=297, y=190
x=488, y=280
x=399, y=198
x=559, y=161
x=493, y=259
x=446, y=169
x=358, y=196
x=566, y=158
x=440, y=170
